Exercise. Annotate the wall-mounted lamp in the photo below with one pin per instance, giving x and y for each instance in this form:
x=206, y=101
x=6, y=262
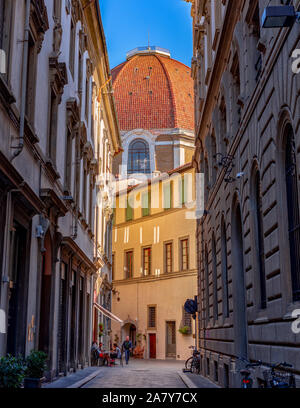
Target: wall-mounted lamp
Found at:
x=279, y=16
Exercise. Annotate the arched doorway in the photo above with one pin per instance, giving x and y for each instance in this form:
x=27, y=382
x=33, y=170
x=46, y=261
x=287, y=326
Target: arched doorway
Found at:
x=239, y=295
x=129, y=329
x=45, y=302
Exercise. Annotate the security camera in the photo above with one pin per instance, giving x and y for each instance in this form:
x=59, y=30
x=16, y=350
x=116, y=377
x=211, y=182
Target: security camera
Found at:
x=240, y=175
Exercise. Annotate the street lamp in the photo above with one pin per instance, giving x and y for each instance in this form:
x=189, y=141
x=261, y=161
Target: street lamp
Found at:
x=279, y=16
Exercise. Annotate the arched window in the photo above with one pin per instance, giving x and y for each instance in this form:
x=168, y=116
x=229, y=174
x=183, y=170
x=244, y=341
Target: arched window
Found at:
x=259, y=238
x=138, y=157
x=224, y=269
x=215, y=278
x=293, y=209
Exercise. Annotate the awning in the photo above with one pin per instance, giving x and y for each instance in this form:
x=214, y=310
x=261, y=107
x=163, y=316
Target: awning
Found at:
x=107, y=313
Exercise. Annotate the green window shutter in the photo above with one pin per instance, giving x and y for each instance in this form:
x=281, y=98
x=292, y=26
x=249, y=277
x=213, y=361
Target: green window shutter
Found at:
x=168, y=196
x=146, y=202
x=129, y=212
x=181, y=186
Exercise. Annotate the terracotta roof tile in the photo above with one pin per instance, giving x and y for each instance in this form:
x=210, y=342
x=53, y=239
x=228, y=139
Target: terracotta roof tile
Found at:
x=153, y=92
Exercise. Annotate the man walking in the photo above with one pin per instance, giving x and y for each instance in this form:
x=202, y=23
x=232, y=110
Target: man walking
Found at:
x=126, y=347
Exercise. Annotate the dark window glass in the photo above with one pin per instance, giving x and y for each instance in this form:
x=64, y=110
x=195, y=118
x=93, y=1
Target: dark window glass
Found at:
x=129, y=264
x=224, y=269
x=260, y=241
x=151, y=317
x=168, y=257
x=138, y=157
x=215, y=279
x=147, y=261
x=184, y=243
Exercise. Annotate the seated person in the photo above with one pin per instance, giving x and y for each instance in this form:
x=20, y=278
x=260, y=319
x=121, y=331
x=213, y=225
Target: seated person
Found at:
x=115, y=352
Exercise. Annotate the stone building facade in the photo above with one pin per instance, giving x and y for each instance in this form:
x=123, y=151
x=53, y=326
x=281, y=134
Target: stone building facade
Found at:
x=58, y=135
x=247, y=145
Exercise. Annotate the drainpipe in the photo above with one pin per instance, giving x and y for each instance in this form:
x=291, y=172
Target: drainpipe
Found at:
x=19, y=148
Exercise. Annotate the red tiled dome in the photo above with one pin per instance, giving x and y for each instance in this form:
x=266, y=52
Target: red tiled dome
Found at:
x=153, y=91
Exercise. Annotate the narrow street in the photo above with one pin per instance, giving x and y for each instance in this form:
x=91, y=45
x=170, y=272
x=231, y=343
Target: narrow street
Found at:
x=140, y=374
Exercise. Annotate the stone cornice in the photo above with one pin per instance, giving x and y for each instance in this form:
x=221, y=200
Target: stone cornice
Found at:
x=72, y=246
x=154, y=278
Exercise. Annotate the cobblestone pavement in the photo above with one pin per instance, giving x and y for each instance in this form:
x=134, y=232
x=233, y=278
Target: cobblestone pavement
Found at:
x=140, y=374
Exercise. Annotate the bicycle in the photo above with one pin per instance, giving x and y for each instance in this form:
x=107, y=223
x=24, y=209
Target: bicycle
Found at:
x=275, y=377
x=192, y=364
x=247, y=381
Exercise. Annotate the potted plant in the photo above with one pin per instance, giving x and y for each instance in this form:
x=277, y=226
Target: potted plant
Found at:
x=35, y=367
x=101, y=329
x=185, y=330
x=12, y=371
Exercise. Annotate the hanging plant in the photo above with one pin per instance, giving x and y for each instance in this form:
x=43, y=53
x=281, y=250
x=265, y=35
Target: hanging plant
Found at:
x=185, y=330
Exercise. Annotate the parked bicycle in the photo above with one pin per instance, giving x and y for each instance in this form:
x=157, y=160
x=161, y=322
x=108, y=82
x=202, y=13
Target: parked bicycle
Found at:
x=247, y=381
x=274, y=377
x=277, y=377
x=192, y=364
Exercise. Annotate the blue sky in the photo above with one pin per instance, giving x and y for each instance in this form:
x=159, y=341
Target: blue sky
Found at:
x=127, y=22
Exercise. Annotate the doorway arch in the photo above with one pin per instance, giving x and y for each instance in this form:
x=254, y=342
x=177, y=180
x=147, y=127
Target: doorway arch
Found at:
x=129, y=329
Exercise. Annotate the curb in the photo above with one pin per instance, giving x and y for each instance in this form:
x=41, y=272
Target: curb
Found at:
x=189, y=383
x=85, y=380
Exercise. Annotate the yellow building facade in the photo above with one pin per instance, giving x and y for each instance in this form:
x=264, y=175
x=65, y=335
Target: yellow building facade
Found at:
x=154, y=265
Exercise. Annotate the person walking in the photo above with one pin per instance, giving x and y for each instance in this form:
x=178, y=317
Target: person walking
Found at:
x=126, y=347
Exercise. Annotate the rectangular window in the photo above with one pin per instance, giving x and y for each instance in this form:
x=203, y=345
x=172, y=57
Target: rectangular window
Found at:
x=187, y=320
x=5, y=36
x=169, y=257
x=216, y=371
x=147, y=261
x=31, y=80
x=91, y=206
x=87, y=98
x=84, y=192
x=129, y=212
x=52, y=127
x=146, y=202
x=72, y=47
x=68, y=161
x=184, y=253
x=128, y=264
x=151, y=317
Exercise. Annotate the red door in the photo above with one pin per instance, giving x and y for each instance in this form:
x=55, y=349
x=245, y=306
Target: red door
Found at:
x=152, y=342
